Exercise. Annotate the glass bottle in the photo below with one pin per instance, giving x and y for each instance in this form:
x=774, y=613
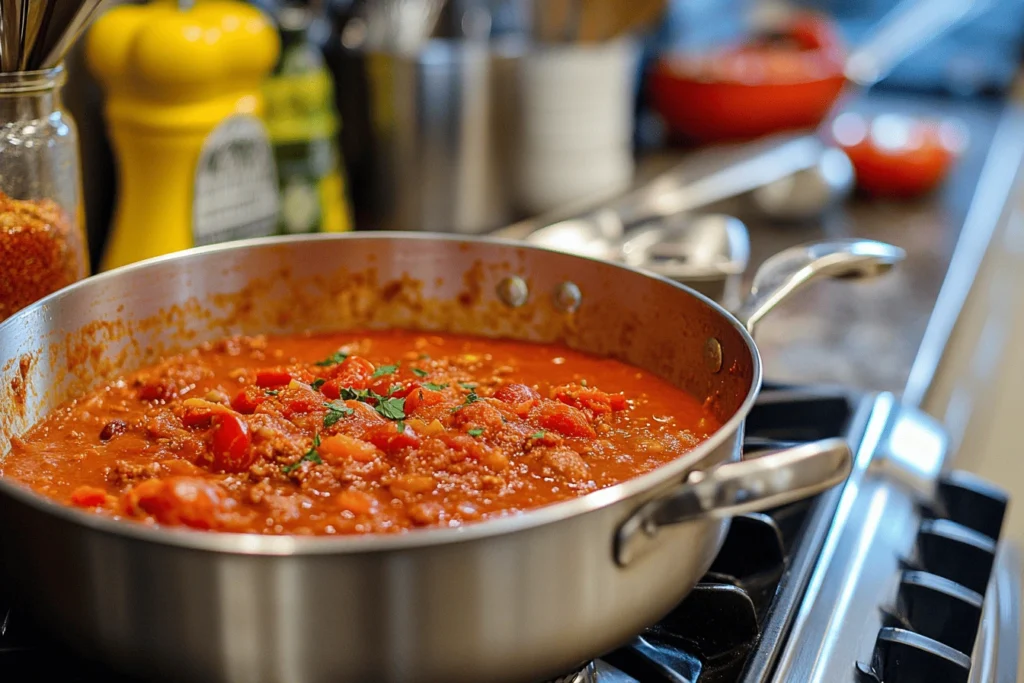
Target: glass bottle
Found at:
x=42, y=237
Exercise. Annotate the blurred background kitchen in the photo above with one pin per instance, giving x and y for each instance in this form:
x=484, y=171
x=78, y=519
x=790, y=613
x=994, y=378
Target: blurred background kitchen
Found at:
x=689, y=137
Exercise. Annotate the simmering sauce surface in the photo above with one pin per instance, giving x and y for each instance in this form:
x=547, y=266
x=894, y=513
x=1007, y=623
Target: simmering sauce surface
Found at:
x=375, y=432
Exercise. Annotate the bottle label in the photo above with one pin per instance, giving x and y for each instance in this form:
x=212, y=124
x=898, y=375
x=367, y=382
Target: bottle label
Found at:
x=236, y=191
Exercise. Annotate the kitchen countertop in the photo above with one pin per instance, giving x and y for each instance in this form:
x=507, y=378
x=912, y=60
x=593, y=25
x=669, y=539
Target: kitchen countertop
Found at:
x=889, y=333
x=870, y=334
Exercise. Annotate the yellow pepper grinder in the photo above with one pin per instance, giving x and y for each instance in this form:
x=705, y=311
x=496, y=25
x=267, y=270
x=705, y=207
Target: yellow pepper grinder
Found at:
x=183, y=85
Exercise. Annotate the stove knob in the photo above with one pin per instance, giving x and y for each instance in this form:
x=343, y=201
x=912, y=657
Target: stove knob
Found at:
x=939, y=609
x=907, y=657
x=956, y=552
x=973, y=502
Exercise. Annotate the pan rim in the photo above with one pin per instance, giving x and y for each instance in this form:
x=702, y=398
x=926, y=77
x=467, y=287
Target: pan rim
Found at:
x=291, y=545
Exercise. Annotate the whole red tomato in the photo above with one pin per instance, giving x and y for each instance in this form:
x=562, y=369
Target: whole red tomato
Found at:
x=898, y=156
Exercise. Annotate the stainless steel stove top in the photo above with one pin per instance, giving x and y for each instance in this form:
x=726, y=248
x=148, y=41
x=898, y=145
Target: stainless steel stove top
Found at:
x=895, y=577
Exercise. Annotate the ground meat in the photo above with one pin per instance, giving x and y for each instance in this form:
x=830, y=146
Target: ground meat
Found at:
x=564, y=461
x=124, y=473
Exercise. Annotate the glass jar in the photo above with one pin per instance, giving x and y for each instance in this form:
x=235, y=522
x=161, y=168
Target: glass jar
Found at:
x=42, y=237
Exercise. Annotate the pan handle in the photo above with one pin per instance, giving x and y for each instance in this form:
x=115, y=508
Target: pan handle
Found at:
x=789, y=270
x=760, y=483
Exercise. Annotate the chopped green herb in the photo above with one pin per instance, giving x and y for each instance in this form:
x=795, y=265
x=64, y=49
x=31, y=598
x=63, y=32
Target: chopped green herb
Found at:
x=384, y=370
x=391, y=408
x=475, y=432
x=393, y=388
x=317, y=383
x=538, y=435
x=401, y=426
x=355, y=394
x=583, y=382
x=434, y=387
x=419, y=373
x=468, y=385
x=333, y=359
x=311, y=456
x=471, y=397
x=271, y=392
x=335, y=411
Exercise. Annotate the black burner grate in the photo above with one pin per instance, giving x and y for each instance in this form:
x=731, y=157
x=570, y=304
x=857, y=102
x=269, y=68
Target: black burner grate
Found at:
x=710, y=636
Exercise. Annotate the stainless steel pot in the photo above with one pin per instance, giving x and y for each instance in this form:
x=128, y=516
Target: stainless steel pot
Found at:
x=513, y=599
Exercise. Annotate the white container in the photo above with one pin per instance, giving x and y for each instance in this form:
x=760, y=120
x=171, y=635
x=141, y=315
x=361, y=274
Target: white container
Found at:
x=575, y=123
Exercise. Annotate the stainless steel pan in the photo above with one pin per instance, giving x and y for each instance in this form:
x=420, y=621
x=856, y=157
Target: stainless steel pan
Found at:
x=514, y=599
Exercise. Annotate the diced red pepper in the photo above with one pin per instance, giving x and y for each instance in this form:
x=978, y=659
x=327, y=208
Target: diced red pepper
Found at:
x=230, y=444
x=273, y=377
x=390, y=439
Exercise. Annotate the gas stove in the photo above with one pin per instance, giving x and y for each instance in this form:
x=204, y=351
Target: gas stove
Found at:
x=897, y=576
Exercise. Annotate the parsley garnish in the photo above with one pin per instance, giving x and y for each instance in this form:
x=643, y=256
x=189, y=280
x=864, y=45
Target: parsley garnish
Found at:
x=391, y=408
x=471, y=397
x=538, y=435
x=387, y=406
x=434, y=387
x=317, y=383
x=384, y=370
x=393, y=388
x=271, y=392
x=335, y=411
x=468, y=385
x=311, y=456
x=401, y=426
x=419, y=373
x=355, y=394
x=475, y=432
x=333, y=359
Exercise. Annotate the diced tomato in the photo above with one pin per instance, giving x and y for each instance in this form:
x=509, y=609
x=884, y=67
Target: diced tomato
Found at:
x=301, y=400
x=230, y=444
x=176, y=500
x=563, y=419
x=332, y=389
x=341, y=448
x=248, y=400
x=88, y=496
x=355, y=371
x=389, y=439
x=382, y=387
x=422, y=397
x=357, y=502
x=521, y=397
x=479, y=415
x=272, y=377
x=516, y=393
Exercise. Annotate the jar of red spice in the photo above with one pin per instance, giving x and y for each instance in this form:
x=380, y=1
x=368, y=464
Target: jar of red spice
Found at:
x=42, y=236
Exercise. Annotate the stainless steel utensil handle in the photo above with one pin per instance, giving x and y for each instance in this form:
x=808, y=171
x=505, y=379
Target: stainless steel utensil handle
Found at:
x=731, y=489
x=905, y=29
x=790, y=270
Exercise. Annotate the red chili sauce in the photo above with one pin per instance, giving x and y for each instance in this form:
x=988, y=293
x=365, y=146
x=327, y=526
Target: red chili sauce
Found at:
x=375, y=432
